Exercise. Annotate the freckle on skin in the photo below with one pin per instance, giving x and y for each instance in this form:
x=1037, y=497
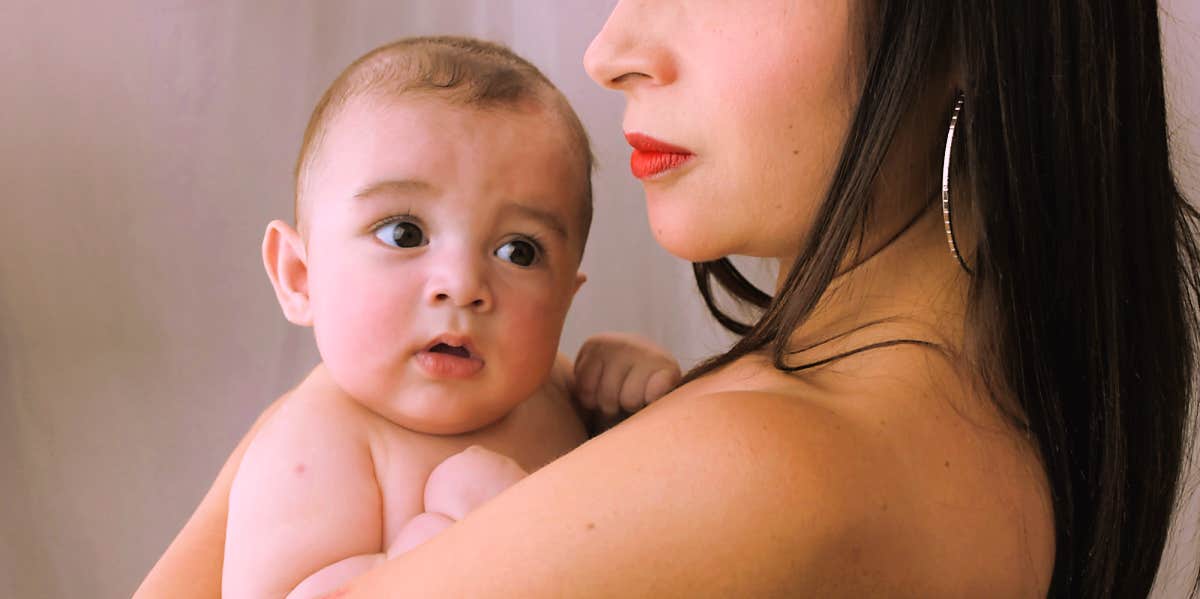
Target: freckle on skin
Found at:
x=300, y=468
x=947, y=464
x=591, y=525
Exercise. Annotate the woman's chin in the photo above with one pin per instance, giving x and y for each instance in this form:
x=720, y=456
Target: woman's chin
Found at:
x=693, y=230
x=689, y=249
x=687, y=245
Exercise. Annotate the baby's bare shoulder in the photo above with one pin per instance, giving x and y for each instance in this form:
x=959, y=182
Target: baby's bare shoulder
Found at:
x=314, y=424
x=305, y=496
x=316, y=409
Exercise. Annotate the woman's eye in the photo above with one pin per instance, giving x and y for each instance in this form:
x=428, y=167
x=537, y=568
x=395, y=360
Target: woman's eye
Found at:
x=519, y=252
x=402, y=234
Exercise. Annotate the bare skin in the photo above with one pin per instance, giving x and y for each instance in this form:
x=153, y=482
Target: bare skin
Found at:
x=888, y=473
x=365, y=479
x=885, y=474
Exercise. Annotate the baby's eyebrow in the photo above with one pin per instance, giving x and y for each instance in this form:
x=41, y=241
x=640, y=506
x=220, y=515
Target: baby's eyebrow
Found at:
x=550, y=220
x=395, y=187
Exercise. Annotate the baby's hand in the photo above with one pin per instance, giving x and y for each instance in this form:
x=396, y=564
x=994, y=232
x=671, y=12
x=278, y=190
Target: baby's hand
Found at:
x=621, y=371
x=461, y=483
x=468, y=479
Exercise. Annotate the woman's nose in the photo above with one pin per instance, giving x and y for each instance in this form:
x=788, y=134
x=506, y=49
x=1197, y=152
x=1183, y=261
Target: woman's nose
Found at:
x=461, y=286
x=627, y=53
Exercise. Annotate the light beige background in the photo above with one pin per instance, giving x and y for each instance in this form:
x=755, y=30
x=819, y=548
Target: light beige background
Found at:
x=143, y=148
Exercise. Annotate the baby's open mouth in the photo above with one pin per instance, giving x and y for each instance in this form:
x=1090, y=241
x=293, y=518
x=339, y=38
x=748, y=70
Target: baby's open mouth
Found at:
x=450, y=356
x=454, y=350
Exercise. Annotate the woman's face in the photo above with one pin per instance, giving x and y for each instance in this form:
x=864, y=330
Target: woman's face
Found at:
x=751, y=102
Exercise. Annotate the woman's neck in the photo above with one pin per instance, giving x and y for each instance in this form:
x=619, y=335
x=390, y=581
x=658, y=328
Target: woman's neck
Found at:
x=907, y=286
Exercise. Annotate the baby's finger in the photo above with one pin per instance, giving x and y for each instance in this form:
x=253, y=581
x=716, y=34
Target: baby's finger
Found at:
x=608, y=394
x=587, y=379
x=633, y=391
x=661, y=382
x=584, y=353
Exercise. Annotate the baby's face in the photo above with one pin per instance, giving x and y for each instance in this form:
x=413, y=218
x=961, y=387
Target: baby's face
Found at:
x=443, y=244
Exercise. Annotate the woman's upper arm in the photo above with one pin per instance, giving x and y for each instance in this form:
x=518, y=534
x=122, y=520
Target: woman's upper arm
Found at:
x=728, y=494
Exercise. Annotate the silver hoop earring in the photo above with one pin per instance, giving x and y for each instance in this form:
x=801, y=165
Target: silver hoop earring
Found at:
x=946, y=215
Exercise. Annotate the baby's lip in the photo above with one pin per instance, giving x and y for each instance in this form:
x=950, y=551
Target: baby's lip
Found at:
x=455, y=344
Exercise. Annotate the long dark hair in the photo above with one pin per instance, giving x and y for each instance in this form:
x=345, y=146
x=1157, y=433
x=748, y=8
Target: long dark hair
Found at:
x=1083, y=302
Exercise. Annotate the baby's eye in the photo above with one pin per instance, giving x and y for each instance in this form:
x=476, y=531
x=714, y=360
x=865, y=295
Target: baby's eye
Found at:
x=519, y=252
x=402, y=234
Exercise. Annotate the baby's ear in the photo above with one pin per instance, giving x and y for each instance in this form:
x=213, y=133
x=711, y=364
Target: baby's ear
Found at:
x=286, y=261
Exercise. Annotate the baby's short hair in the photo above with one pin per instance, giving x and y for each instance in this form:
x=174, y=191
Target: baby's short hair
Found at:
x=461, y=70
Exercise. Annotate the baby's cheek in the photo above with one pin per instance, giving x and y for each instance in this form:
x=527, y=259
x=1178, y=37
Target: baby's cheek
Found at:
x=532, y=338
x=361, y=334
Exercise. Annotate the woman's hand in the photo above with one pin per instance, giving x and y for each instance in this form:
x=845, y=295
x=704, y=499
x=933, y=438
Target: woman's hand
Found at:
x=617, y=372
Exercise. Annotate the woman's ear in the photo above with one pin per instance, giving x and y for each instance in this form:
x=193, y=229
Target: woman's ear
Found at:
x=286, y=260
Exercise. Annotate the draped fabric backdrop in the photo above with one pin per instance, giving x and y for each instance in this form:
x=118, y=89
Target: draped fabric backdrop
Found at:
x=143, y=148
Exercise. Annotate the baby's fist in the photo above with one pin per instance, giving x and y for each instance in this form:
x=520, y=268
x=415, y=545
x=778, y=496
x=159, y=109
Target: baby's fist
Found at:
x=622, y=371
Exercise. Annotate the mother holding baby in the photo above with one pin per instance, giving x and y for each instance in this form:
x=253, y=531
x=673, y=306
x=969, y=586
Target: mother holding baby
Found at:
x=973, y=375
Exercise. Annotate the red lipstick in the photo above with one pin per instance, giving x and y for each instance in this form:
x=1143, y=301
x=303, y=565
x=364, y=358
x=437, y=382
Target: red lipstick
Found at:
x=652, y=157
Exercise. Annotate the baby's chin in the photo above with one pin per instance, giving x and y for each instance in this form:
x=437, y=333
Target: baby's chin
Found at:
x=431, y=414
x=441, y=426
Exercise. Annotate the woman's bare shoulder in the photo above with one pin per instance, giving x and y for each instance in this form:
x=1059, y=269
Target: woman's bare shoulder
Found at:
x=707, y=492
x=923, y=483
x=670, y=503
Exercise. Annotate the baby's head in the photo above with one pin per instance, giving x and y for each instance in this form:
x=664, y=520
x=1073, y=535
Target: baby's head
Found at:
x=443, y=198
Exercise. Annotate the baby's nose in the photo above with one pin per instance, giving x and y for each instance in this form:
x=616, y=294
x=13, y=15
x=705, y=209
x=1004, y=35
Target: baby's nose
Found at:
x=462, y=288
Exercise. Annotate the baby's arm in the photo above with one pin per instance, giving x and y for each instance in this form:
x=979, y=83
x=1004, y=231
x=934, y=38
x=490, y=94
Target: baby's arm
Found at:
x=305, y=506
x=457, y=486
x=621, y=371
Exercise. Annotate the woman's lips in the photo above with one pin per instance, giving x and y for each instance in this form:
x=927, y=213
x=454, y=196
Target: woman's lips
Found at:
x=652, y=157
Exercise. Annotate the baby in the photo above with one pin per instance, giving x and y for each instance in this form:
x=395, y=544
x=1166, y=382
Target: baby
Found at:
x=443, y=199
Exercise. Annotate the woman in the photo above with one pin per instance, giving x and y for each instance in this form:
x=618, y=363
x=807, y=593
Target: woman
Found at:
x=973, y=376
